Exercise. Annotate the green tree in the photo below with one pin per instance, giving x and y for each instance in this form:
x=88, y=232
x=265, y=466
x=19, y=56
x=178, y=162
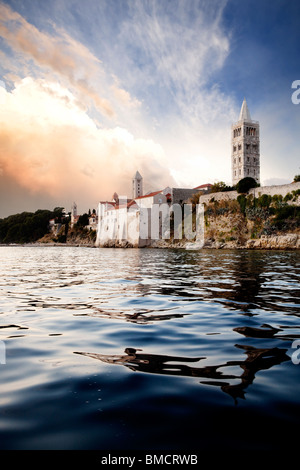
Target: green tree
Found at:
x=220, y=187
x=297, y=178
x=27, y=227
x=245, y=184
x=83, y=220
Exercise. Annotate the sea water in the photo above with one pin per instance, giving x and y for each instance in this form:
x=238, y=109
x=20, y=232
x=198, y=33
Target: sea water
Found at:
x=149, y=349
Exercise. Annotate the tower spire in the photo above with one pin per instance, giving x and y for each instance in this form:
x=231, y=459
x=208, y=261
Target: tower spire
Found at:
x=245, y=113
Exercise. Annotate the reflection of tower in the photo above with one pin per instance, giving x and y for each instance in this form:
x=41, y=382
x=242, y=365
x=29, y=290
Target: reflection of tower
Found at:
x=245, y=147
x=137, y=185
x=73, y=213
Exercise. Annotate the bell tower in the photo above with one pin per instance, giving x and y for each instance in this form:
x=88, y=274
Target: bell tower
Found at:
x=245, y=147
x=137, y=185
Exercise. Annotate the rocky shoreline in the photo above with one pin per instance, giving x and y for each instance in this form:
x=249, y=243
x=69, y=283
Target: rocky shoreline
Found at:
x=288, y=241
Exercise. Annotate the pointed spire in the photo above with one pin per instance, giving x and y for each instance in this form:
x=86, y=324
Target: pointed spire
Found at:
x=245, y=113
x=137, y=176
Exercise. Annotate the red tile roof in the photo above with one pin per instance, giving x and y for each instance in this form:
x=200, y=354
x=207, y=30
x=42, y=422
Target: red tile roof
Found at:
x=149, y=195
x=129, y=204
x=208, y=185
x=108, y=202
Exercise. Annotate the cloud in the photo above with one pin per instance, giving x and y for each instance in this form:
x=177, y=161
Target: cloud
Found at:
x=64, y=56
x=166, y=54
x=276, y=181
x=49, y=144
x=174, y=49
x=171, y=53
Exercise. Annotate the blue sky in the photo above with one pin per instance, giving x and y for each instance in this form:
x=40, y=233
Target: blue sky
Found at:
x=93, y=91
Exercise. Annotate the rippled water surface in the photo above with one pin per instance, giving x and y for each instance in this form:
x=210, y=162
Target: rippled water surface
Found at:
x=148, y=349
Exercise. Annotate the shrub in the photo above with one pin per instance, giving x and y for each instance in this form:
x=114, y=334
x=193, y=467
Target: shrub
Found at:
x=264, y=200
x=287, y=217
x=288, y=197
x=242, y=200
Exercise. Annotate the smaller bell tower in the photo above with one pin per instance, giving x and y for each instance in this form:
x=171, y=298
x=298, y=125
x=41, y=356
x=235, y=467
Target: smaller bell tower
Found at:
x=73, y=213
x=137, y=185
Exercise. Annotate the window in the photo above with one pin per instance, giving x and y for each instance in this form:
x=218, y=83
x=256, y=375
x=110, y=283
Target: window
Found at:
x=251, y=131
x=237, y=132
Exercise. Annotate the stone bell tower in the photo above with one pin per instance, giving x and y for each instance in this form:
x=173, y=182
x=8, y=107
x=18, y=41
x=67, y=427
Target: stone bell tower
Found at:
x=245, y=147
x=137, y=185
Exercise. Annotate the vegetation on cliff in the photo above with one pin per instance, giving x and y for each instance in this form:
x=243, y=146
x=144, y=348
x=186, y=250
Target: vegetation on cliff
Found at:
x=251, y=218
x=32, y=227
x=242, y=186
x=28, y=227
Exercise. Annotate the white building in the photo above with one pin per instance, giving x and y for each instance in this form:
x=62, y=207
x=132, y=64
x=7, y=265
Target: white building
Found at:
x=130, y=221
x=142, y=219
x=245, y=139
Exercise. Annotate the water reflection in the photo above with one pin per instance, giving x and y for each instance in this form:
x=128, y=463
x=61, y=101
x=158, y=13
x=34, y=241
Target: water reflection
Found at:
x=257, y=359
x=250, y=281
x=140, y=316
x=243, y=280
x=265, y=331
x=238, y=310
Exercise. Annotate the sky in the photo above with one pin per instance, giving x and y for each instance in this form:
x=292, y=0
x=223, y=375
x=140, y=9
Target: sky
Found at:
x=91, y=92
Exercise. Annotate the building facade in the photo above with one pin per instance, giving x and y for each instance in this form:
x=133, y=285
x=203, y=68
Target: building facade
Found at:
x=143, y=219
x=245, y=142
x=130, y=221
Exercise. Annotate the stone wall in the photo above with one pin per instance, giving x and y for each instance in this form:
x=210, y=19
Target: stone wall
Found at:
x=221, y=196
x=282, y=190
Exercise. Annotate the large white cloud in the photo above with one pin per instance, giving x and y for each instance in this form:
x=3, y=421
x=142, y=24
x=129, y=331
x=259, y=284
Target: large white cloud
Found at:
x=50, y=144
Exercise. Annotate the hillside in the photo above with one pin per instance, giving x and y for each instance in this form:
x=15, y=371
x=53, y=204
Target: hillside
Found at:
x=27, y=227
x=33, y=227
x=248, y=222
x=76, y=236
x=266, y=222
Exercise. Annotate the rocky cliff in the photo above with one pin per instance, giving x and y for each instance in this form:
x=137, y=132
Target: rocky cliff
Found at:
x=267, y=222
